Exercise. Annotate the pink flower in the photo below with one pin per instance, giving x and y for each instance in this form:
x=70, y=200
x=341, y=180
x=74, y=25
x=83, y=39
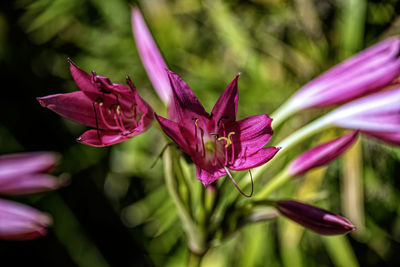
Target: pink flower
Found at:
x=151, y=57
x=377, y=115
x=369, y=71
x=316, y=219
x=20, y=222
x=25, y=174
x=116, y=112
x=322, y=154
x=217, y=142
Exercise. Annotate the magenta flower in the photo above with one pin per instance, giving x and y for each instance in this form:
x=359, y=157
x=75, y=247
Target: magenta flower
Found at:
x=20, y=222
x=116, y=112
x=25, y=173
x=151, y=57
x=369, y=71
x=322, y=154
x=377, y=115
x=316, y=219
x=217, y=142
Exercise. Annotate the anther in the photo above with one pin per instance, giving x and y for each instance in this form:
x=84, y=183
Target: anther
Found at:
x=227, y=139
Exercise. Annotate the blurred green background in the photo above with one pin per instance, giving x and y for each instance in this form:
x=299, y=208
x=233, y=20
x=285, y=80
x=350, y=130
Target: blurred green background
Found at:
x=117, y=211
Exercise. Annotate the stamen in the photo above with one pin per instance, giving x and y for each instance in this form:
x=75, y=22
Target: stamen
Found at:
x=203, y=154
x=195, y=133
x=97, y=123
x=227, y=139
x=160, y=154
x=104, y=119
x=237, y=187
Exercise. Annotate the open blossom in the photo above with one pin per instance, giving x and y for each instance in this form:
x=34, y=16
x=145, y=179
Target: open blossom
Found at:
x=369, y=71
x=217, y=142
x=322, y=154
x=24, y=174
x=377, y=115
x=316, y=219
x=151, y=57
x=116, y=112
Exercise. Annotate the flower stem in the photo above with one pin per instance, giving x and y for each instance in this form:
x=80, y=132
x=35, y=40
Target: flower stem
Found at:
x=194, y=260
x=282, y=113
x=196, y=239
x=278, y=181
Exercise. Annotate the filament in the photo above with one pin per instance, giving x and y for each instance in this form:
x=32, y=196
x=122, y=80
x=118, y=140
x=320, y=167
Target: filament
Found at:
x=236, y=185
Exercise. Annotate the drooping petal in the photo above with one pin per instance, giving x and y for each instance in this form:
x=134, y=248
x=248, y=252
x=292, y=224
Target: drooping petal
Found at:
x=250, y=161
x=174, y=131
x=186, y=106
x=316, y=219
x=251, y=134
x=208, y=177
x=322, y=154
x=226, y=106
x=29, y=183
x=23, y=163
x=102, y=138
x=393, y=138
x=20, y=222
x=75, y=106
x=151, y=57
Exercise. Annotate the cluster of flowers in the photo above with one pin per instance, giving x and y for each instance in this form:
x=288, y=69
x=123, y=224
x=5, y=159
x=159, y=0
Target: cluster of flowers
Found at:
x=217, y=142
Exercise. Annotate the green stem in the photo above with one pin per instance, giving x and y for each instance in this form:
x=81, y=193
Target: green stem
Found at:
x=278, y=181
x=195, y=236
x=282, y=113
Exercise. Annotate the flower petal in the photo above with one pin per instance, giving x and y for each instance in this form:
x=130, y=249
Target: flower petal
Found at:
x=75, y=106
x=207, y=177
x=174, y=131
x=20, y=222
x=82, y=79
x=23, y=163
x=251, y=134
x=322, y=154
x=151, y=57
x=259, y=158
x=226, y=106
x=185, y=105
x=102, y=138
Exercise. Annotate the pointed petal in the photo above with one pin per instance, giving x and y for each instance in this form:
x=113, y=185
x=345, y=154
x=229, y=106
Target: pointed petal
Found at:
x=75, y=106
x=322, y=155
x=226, y=106
x=174, y=131
x=185, y=104
x=82, y=79
x=20, y=222
x=316, y=219
x=23, y=163
x=29, y=183
x=251, y=134
x=151, y=57
x=208, y=177
x=254, y=160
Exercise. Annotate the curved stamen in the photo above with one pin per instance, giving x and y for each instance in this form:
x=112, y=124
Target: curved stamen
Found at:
x=195, y=133
x=237, y=187
x=109, y=126
x=203, y=153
